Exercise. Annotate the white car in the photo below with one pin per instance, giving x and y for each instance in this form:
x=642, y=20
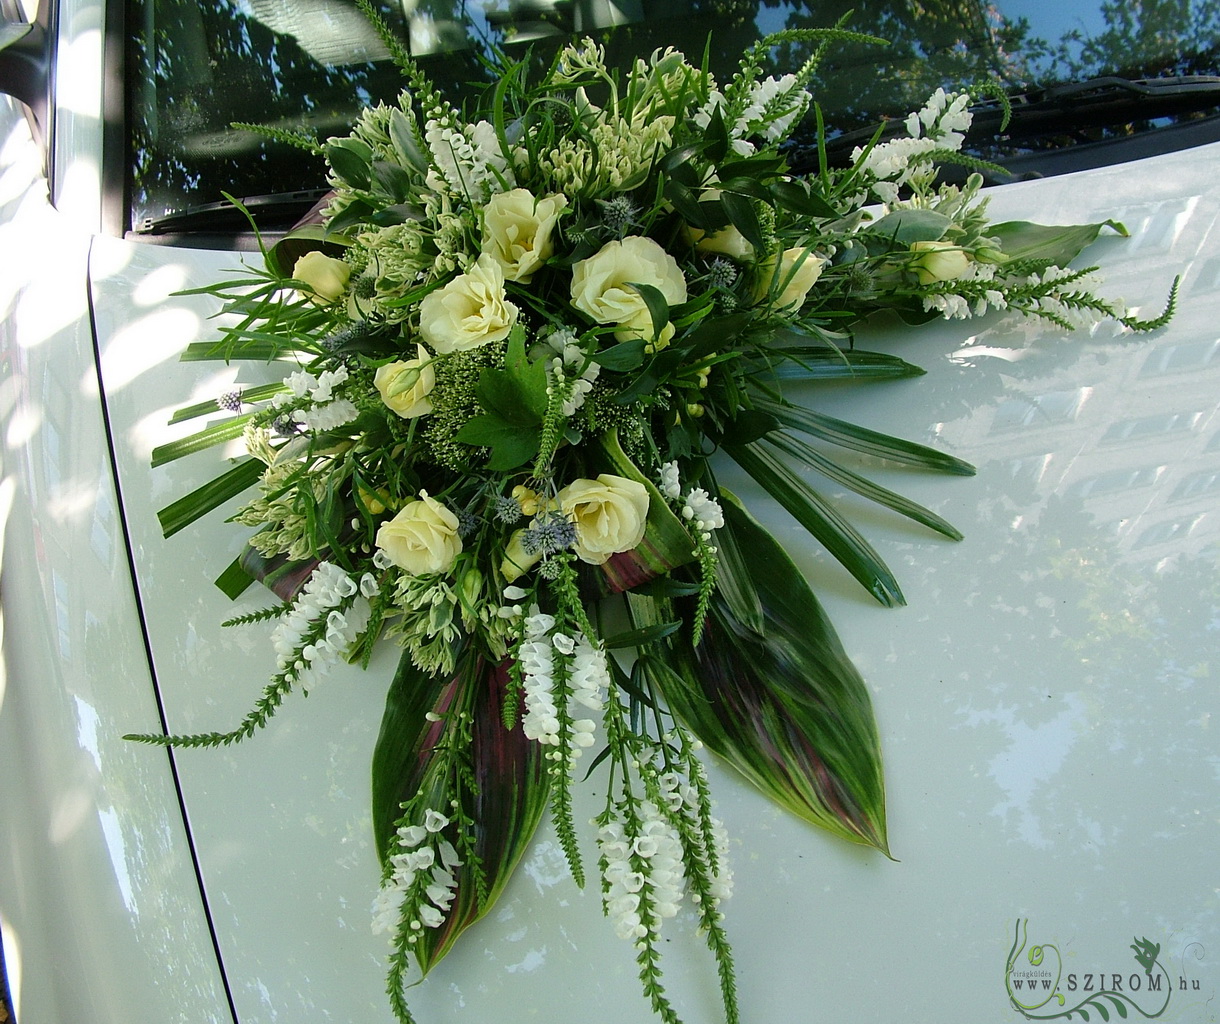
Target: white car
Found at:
x=1047, y=699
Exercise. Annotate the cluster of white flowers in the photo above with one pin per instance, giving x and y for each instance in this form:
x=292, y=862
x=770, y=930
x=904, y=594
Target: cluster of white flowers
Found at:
x=671, y=485
x=588, y=674
x=774, y=104
x=703, y=512
x=419, y=848
x=644, y=866
x=469, y=161
x=572, y=369
x=680, y=796
x=940, y=125
x=327, y=588
x=327, y=411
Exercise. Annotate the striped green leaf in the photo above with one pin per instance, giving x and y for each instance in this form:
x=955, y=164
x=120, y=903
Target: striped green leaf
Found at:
x=506, y=802
x=784, y=704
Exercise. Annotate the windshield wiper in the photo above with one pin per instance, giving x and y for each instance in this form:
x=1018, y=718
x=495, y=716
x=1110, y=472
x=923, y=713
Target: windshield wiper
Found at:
x=277, y=211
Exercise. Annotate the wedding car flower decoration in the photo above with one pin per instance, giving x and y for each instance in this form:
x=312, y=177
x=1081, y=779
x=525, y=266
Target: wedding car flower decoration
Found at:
x=512, y=363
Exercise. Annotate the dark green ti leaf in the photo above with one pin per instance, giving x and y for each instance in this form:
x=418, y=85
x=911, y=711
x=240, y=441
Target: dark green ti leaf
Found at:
x=784, y=704
x=506, y=803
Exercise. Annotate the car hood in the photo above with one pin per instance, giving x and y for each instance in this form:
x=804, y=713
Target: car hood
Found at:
x=1046, y=699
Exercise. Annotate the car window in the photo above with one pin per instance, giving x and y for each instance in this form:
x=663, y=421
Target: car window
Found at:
x=199, y=66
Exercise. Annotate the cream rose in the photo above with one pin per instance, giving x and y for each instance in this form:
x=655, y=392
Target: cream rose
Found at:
x=404, y=385
x=471, y=310
x=797, y=272
x=325, y=278
x=609, y=514
x=728, y=241
x=939, y=261
x=601, y=286
x=422, y=538
x=517, y=231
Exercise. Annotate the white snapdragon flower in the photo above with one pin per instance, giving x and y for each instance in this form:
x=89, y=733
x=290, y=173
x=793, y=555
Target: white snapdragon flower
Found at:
x=703, y=511
x=330, y=416
x=671, y=486
x=419, y=851
x=327, y=588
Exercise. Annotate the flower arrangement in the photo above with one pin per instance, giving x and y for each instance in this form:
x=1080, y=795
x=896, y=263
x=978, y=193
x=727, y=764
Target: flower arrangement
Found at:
x=520, y=343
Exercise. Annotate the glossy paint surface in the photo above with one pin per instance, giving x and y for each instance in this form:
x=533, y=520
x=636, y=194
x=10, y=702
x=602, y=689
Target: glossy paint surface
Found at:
x=1046, y=699
x=100, y=909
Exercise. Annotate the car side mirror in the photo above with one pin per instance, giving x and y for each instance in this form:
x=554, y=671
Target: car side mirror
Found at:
x=25, y=65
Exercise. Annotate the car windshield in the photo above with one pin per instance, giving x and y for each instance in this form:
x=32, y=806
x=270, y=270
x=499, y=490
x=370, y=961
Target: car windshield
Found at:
x=200, y=66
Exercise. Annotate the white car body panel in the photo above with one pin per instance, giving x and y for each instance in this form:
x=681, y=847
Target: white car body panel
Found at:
x=1046, y=700
x=99, y=903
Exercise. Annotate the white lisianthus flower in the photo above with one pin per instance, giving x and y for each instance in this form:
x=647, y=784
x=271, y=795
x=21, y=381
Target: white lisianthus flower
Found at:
x=602, y=286
x=609, y=513
x=422, y=538
x=325, y=278
x=471, y=310
x=517, y=230
x=939, y=261
x=404, y=385
x=795, y=274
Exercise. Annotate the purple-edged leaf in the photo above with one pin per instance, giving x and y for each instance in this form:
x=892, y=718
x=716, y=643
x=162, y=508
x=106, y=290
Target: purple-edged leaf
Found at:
x=510, y=782
x=771, y=690
x=666, y=544
x=282, y=576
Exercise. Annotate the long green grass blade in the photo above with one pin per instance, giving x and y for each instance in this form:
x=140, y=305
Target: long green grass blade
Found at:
x=810, y=363
x=200, y=441
x=249, y=396
x=784, y=705
x=822, y=520
x=861, y=439
x=796, y=449
x=203, y=500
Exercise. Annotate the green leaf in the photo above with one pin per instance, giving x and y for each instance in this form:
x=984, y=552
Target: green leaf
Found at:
x=199, y=502
x=808, y=363
x=510, y=445
x=822, y=520
x=861, y=439
x=908, y=226
x=216, y=434
x=784, y=704
x=505, y=806
x=642, y=637
x=620, y=358
x=351, y=160
x=1058, y=244
x=234, y=581
x=403, y=138
x=517, y=393
x=392, y=180
x=658, y=306
x=249, y=396
x=797, y=196
x=742, y=215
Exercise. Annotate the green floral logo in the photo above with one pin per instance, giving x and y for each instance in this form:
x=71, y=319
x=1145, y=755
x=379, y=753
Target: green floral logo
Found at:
x=1039, y=989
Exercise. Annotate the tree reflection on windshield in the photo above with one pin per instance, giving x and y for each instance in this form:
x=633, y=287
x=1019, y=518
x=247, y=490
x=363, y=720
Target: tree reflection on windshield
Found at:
x=195, y=67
